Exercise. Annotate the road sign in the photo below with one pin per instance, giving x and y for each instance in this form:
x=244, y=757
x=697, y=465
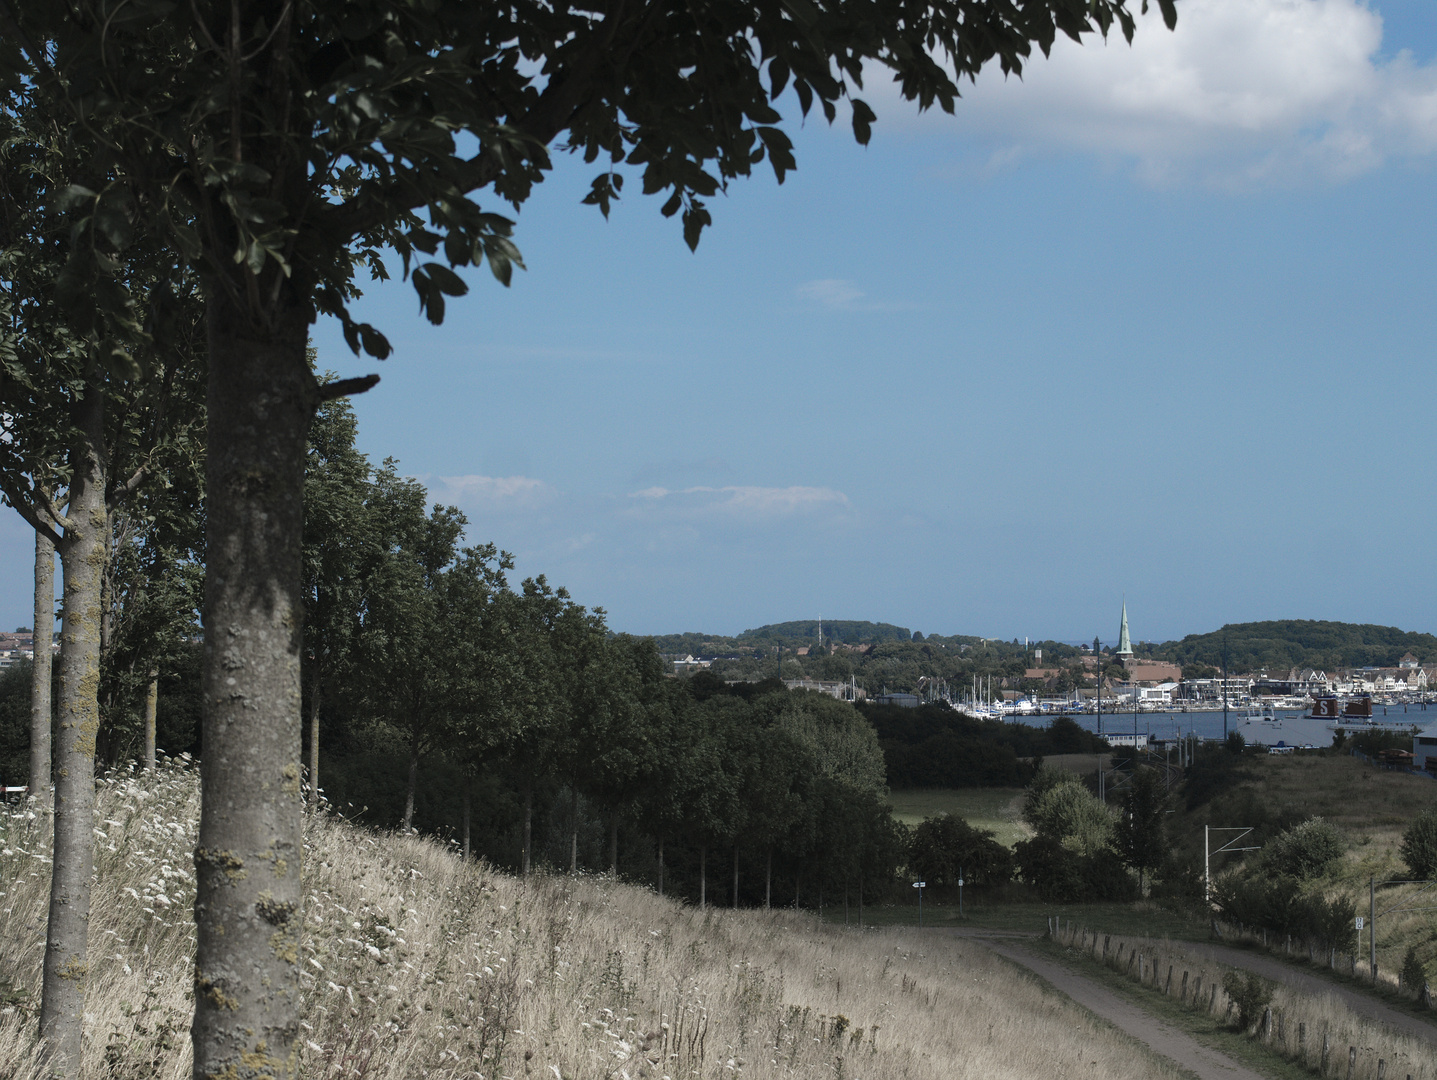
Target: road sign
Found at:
x=920, y=884
x=1359, y=922
x=960, y=883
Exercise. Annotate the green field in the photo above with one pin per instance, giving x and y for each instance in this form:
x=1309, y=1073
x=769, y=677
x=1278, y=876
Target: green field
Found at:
x=998, y=809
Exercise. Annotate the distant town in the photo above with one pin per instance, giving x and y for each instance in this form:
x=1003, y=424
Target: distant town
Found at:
x=1280, y=665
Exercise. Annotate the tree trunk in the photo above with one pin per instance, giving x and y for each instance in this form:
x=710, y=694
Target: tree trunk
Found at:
x=315, y=685
x=735, y=875
x=82, y=559
x=41, y=714
x=466, y=816
x=703, y=875
x=152, y=705
x=614, y=845
x=409, y=789
x=248, y=911
x=661, y=865
x=528, y=824
x=573, y=831
x=768, y=882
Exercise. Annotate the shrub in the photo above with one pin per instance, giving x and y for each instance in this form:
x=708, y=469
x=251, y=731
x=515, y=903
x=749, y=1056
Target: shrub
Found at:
x=1419, y=845
x=1236, y=744
x=1414, y=973
x=943, y=846
x=1250, y=993
x=1305, y=850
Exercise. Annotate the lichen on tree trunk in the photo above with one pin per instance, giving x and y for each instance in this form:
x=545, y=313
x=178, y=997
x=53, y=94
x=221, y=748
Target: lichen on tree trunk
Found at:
x=261, y=399
x=43, y=635
x=82, y=560
x=152, y=703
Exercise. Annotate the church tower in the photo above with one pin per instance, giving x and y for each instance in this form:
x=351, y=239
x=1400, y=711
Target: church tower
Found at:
x=1125, y=645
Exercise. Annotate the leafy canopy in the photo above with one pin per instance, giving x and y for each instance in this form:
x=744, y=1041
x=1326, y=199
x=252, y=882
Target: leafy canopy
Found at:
x=280, y=147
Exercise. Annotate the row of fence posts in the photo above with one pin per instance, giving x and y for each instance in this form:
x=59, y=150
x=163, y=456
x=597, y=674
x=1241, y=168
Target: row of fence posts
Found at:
x=1148, y=974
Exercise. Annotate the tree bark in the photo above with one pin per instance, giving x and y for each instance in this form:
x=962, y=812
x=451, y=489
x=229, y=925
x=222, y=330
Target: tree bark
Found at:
x=661, y=865
x=528, y=824
x=409, y=789
x=573, y=831
x=82, y=561
x=41, y=713
x=152, y=705
x=614, y=845
x=261, y=399
x=315, y=685
x=465, y=800
x=703, y=875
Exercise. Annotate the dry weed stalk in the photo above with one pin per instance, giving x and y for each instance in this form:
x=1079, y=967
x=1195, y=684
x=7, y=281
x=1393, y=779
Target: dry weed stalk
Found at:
x=1296, y=1026
x=419, y=964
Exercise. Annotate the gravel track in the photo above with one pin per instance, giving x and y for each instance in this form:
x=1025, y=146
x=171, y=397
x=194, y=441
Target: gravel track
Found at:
x=1161, y=1037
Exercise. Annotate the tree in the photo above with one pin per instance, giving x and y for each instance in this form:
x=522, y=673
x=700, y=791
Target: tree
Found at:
x=342, y=546
x=95, y=394
x=1141, y=833
x=281, y=147
x=1419, y=845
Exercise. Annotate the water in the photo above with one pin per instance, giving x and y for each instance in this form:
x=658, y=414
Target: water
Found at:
x=1292, y=726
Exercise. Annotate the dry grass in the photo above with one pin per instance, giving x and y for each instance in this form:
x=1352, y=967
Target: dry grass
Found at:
x=1300, y=1026
x=418, y=964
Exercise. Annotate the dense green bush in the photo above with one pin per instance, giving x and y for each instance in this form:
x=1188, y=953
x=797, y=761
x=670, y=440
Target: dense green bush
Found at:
x=1250, y=993
x=1419, y=845
x=1305, y=850
x=945, y=847
x=1414, y=972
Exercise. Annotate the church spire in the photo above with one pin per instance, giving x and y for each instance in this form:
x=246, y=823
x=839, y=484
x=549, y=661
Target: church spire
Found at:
x=1125, y=645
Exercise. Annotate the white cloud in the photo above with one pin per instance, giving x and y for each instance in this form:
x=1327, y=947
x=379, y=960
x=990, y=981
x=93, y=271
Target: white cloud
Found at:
x=745, y=502
x=492, y=491
x=1244, y=91
x=831, y=293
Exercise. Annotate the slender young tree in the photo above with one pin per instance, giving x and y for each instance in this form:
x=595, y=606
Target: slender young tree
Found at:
x=42, y=715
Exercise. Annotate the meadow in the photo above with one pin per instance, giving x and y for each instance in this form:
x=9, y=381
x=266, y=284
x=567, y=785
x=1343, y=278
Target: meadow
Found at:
x=997, y=809
x=419, y=963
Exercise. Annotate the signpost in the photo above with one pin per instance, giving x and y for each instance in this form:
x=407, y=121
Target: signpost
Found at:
x=919, y=885
x=960, y=892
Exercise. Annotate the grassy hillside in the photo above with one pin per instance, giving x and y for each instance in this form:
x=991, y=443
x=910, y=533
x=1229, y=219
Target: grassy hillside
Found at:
x=995, y=809
x=418, y=964
x=1371, y=806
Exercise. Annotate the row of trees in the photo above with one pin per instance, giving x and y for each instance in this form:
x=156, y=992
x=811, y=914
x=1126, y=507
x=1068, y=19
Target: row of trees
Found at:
x=249, y=160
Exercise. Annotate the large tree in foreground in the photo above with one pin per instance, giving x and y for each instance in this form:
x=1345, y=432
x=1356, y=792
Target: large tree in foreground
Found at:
x=281, y=144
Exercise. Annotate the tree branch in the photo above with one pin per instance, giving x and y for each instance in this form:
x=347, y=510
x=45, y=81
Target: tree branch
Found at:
x=35, y=516
x=346, y=387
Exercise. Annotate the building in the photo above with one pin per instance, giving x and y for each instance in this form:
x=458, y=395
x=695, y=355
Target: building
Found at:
x=1424, y=749
x=1125, y=645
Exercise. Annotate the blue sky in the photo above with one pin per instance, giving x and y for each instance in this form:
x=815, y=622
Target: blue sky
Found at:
x=1154, y=322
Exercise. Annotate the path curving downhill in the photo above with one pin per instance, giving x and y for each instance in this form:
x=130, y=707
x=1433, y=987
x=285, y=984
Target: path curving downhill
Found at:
x=1162, y=1038
x=1364, y=1004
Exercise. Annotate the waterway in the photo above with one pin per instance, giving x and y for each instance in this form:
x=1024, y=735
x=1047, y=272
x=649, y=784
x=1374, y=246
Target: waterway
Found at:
x=1291, y=728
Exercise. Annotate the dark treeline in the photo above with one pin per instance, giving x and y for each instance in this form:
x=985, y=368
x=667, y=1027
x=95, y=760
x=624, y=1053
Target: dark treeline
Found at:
x=935, y=746
x=1278, y=645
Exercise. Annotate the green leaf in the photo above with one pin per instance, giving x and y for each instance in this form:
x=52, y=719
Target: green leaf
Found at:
x=375, y=343
x=863, y=119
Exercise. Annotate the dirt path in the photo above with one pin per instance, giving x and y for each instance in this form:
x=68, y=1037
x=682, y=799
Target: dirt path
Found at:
x=1162, y=1038
x=1363, y=1004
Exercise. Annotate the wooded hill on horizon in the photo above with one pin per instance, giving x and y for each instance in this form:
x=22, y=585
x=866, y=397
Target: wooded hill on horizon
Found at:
x=1246, y=647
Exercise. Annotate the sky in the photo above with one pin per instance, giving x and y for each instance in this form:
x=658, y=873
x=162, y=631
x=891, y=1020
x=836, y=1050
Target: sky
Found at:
x=1152, y=324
